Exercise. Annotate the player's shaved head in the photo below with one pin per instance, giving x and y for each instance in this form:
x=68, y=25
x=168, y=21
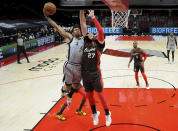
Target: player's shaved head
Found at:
x=135, y=43
x=171, y=33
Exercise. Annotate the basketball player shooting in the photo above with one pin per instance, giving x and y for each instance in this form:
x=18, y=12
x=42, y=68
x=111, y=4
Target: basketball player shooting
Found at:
x=91, y=73
x=171, y=42
x=137, y=54
x=72, y=67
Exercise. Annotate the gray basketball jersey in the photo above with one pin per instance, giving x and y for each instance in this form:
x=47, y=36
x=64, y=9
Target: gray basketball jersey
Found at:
x=172, y=41
x=75, y=50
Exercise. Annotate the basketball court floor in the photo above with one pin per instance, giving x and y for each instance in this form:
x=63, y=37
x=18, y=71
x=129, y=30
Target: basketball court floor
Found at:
x=30, y=92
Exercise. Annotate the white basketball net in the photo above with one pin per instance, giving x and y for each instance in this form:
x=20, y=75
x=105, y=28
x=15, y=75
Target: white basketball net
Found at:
x=120, y=18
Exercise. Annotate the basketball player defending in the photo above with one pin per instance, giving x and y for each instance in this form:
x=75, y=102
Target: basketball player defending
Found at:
x=137, y=54
x=72, y=67
x=91, y=73
x=171, y=42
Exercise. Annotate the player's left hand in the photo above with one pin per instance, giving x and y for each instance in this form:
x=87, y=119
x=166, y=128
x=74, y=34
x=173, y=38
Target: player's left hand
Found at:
x=45, y=13
x=91, y=14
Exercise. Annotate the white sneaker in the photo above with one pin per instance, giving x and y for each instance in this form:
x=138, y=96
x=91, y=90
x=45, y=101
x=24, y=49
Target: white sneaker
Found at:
x=95, y=118
x=169, y=62
x=108, y=119
x=137, y=85
x=147, y=88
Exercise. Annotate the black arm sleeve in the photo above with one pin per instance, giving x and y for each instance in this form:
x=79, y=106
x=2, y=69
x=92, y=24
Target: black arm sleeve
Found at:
x=100, y=46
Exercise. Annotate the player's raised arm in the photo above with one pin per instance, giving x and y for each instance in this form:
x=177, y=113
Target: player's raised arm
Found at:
x=98, y=26
x=61, y=31
x=83, y=23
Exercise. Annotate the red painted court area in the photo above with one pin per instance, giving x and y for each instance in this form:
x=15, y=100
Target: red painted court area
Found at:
x=135, y=38
x=132, y=110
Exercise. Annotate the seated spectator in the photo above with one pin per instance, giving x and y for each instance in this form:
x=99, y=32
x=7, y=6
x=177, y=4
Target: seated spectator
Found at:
x=37, y=35
x=25, y=38
x=31, y=37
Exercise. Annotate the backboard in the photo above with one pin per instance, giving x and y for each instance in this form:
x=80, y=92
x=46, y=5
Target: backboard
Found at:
x=133, y=4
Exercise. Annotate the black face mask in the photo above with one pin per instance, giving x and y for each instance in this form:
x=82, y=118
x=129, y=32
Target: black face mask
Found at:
x=87, y=39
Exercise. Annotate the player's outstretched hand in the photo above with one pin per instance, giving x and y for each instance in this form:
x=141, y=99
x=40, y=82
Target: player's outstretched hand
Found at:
x=91, y=14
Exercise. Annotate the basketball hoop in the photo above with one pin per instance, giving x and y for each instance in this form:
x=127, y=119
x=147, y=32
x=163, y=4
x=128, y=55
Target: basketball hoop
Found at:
x=120, y=12
x=134, y=13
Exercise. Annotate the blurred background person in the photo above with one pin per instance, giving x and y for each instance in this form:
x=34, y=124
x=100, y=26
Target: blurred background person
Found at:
x=21, y=48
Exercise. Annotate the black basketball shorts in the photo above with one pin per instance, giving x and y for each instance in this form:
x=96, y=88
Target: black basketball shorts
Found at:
x=92, y=81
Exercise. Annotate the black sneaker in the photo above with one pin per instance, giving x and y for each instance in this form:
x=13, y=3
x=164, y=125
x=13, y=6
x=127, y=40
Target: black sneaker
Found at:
x=19, y=63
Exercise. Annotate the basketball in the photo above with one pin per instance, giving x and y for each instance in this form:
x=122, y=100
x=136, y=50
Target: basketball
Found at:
x=50, y=8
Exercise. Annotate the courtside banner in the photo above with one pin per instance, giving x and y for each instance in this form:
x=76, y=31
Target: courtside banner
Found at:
x=11, y=49
x=40, y=41
x=45, y=40
x=31, y=43
x=163, y=30
x=1, y=56
x=107, y=30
